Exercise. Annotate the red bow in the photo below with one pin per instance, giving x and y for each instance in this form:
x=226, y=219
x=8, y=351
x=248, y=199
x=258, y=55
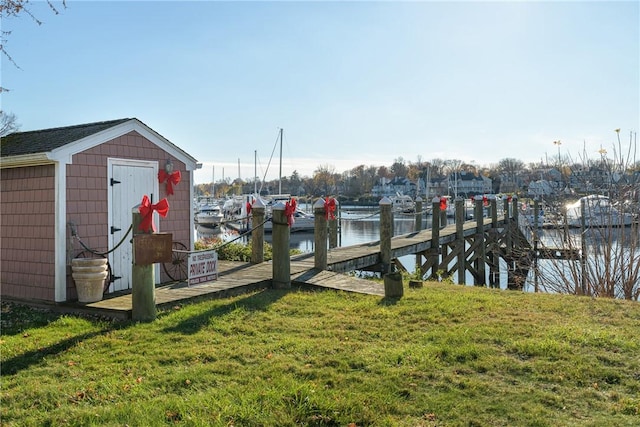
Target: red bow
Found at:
x=289, y=210
x=330, y=208
x=146, y=210
x=443, y=204
x=248, y=208
x=509, y=198
x=485, y=201
x=172, y=179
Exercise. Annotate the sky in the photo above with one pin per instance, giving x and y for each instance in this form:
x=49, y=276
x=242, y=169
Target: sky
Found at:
x=350, y=83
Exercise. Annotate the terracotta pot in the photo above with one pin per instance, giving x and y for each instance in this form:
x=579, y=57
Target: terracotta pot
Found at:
x=89, y=275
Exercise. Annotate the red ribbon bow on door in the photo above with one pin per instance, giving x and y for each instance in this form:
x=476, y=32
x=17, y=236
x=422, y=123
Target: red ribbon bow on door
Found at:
x=289, y=210
x=172, y=179
x=146, y=210
x=330, y=208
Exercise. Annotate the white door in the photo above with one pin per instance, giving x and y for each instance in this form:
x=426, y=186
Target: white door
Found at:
x=129, y=181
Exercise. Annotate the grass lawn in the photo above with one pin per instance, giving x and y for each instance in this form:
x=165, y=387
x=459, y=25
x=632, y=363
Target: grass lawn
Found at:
x=442, y=355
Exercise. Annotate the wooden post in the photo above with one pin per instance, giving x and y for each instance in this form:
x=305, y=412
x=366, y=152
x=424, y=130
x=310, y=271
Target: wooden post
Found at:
x=333, y=228
x=143, y=289
x=435, y=236
x=460, y=242
x=583, y=247
x=510, y=239
x=494, y=267
x=257, y=234
x=479, y=264
x=505, y=208
x=386, y=232
x=392, y=279
x=418, y=227
x=418, y=214
x=320, y=234
x=536, y=214
x=280, y=237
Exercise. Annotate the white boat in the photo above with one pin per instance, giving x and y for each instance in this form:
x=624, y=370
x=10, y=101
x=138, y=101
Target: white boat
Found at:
x=598, y=212
x=209, y=215
x=528, y=215
x=302, y=222
x=403, y=203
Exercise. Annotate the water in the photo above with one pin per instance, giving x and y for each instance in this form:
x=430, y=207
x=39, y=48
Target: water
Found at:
x=358, y=225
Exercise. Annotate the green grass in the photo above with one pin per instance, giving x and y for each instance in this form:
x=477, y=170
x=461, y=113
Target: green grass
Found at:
x=442, y=355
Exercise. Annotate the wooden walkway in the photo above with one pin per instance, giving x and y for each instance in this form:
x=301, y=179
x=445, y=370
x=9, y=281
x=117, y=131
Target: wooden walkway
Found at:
x=367, y=255
x=235, y=278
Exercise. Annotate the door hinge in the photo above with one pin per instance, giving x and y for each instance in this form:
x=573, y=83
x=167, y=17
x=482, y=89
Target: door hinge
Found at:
x=114, y=278
x=114, y=229
x=114, y=182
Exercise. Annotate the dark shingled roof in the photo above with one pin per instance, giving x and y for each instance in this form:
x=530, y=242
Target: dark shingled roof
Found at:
x=45, y=140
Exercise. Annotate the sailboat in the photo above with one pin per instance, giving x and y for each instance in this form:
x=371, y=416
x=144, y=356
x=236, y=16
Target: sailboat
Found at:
x=303, y=221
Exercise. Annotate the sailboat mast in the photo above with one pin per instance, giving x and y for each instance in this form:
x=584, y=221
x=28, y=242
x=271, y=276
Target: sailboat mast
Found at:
x=280, y=173
x=255, y=171
x=213, y=182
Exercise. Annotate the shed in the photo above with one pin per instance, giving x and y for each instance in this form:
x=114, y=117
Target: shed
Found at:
x=66, y=188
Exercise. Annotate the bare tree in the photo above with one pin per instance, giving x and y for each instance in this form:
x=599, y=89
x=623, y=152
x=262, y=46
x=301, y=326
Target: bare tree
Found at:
x=8, y=123
x=607, y=262
x=15, y=8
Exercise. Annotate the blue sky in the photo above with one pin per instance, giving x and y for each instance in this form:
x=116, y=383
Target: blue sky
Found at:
x=351, y=83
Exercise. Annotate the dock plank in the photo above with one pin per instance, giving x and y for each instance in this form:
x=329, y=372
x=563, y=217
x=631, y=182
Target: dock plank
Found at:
x=239, y=277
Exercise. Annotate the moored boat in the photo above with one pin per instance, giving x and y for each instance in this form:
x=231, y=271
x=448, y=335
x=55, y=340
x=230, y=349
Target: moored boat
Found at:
x=599, y=211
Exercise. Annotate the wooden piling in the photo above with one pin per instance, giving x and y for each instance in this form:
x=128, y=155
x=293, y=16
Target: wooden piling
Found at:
x=333, y=228
x=280, y=237
x=418, y=214
x=143, y=297
x=320, y=234
x=460, y=242
x=257, y=234
x=479, y=262
x=493, y=255
x=536, y=214
x=434, y=252
x=386, y=232
x=583, y=247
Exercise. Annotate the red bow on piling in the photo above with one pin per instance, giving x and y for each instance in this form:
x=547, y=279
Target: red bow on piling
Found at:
x=248, y=206
x=330, y=208
x=172, y=179
x=443, y=204
x=485, y=201
x=146, y=210
x=289, y=210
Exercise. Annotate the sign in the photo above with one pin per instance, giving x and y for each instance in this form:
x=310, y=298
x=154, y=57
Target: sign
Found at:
x=203, y=267
x=152, y=248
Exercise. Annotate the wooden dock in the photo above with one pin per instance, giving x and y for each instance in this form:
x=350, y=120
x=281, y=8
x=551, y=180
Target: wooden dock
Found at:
x=461, y=247
x=235, y=278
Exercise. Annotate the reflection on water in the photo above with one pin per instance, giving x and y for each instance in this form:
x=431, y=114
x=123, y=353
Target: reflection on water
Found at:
x=361, y=226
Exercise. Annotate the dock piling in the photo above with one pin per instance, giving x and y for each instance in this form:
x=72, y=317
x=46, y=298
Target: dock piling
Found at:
x=280, y=237
x=257, y=234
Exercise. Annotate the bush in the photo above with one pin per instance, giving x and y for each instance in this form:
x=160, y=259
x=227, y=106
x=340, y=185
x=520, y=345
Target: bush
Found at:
x=235, y=251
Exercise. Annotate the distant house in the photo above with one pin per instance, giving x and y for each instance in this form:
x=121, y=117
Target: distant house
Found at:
x=83, y=181
x=392, y=187
x=542, y=188
x=467, y=184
